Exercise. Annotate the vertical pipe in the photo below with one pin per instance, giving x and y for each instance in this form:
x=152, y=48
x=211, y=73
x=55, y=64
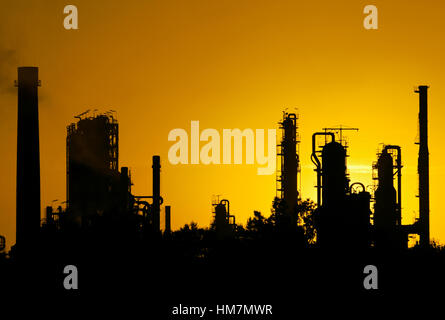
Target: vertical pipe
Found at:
x=423, y=168
x=156, y=193
x=28, y=159
x=167, y=219
x=317, y=163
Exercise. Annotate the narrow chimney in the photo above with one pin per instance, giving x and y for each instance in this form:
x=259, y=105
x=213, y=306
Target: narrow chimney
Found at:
x=423, y=168
x=28, y=159
x=156, y=193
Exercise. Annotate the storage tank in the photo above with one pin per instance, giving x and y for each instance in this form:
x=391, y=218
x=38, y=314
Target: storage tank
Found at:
x=359, y=217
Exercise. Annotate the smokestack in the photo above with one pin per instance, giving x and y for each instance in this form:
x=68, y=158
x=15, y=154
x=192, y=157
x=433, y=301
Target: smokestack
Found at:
x=423, y=168
x=156, y=193
x=167, y=220
x=28, y=159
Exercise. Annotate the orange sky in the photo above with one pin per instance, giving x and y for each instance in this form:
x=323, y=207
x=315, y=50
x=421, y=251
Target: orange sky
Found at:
x=228, y=64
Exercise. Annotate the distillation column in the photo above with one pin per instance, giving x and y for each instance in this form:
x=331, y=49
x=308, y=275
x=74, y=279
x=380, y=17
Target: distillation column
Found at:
x=289, y=165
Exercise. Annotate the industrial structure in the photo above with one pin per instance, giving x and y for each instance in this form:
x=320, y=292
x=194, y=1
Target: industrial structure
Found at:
x=224, y=222
x=287, y=180
x=93, y=179
x=99, y=195
x=28, y=160
x=388, y=200
x=156, y=206
x=389, y=231
x=343, y=210
x=423, y=168
x=97, y=192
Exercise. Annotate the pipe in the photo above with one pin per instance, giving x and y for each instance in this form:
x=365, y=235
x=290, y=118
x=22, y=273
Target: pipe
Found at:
x=144, y=209
x=399, y=180
x=357, y=184
x=228, y=211
x=317, y=163
x=228, y=204
x=161, y=200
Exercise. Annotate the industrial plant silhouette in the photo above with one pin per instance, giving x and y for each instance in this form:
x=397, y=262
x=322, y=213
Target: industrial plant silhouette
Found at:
x=114, y=237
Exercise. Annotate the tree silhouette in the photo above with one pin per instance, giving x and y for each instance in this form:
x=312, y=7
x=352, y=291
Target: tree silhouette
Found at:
x=307, y=215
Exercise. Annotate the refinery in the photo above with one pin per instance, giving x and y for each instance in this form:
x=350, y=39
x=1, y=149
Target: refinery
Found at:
x=102, y=211
x=98, y=189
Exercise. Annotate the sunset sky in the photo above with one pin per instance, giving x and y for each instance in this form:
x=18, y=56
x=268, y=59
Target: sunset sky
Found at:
x=229, y=64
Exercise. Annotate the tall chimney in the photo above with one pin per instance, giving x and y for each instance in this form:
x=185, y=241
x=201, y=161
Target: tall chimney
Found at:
x=156, y=194
x=28, y=160
x=423, y=168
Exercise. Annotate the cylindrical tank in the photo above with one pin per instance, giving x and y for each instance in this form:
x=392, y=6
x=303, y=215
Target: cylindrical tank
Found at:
x=359, y=219
x=334, y=180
